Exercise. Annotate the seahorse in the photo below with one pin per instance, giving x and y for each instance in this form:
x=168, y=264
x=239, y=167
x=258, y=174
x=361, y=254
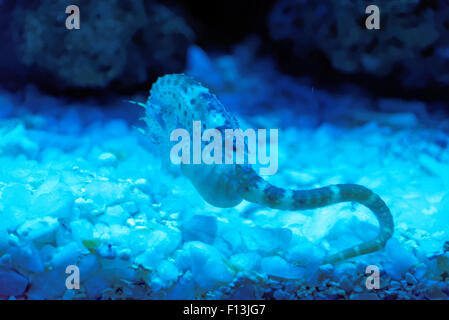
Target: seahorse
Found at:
x=178, y=100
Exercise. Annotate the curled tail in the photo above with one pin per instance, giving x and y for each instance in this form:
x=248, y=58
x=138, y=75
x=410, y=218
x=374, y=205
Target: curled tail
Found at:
x=255, y=189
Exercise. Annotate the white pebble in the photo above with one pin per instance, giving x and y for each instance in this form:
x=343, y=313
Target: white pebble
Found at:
x=40, y=229
x=66, y=255
x=107, y=159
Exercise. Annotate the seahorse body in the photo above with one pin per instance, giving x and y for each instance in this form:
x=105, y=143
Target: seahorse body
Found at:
x=178, y=100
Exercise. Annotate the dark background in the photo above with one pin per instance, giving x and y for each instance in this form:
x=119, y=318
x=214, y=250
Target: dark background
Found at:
x=218, y=26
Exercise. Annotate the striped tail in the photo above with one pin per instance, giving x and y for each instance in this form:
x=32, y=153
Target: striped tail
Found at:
x=255, y=189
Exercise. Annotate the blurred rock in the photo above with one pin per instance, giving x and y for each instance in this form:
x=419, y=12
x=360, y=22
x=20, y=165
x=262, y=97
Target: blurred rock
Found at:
x=12, y=283
x=413, y=37
x=364, y=296
x=278, y=267
x=119, y=43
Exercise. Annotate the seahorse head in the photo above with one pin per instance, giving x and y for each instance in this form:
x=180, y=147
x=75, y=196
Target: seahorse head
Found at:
x=175, y=102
